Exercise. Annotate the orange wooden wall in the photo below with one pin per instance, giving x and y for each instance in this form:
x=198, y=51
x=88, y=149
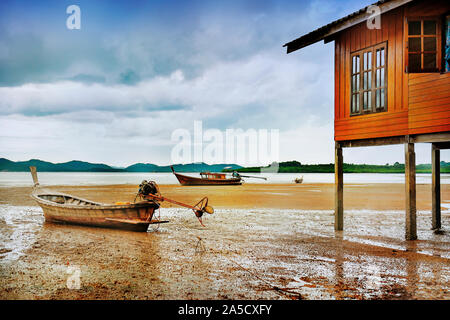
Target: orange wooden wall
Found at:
x=416, y=103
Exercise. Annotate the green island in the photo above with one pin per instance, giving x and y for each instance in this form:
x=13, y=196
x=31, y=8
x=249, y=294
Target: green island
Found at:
x=297, y=167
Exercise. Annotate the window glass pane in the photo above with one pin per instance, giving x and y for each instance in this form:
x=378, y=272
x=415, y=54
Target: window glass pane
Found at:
x=353, y=103
x=377, y=80
x=377, y=98
x=429, y=27
x=369, y=60
x=354, y=64
x=382, y=56
x=357, y=63
x=365, y=60
x=378, y=58
x=429, y=60
x=365, y=101
x=369, y=80
x=413, y=62
x=414, y=44
x=414, y=28
x=357, y=102
x=369, y=100
x=357, y=82
x=365, y=81
x=382, y=78
x=353, y=83
x=382, y=98
x=429, y=44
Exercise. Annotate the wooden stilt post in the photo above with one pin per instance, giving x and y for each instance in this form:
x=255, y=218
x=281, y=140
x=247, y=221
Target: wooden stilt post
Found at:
x=339, y=189
x=410, y=183
x=435, y=188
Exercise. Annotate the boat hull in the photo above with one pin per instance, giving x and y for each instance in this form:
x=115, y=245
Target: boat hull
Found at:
x=193, y=181
x=133, y=217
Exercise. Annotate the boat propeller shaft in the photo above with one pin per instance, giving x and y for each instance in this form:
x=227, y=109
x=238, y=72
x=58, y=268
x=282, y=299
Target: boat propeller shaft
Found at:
x=149, y=190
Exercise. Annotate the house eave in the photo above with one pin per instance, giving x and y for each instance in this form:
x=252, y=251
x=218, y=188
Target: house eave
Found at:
x=329, y=31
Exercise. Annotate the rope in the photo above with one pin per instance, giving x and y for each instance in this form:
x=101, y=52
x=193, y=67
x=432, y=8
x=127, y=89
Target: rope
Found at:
x=282, y=291
x=158, y=224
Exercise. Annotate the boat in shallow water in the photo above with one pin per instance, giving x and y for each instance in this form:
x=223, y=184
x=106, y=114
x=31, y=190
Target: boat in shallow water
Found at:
x=212, y=179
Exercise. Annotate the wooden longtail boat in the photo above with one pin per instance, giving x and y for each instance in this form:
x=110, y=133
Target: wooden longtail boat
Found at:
x=212, y=179
x=206, y=179
x=63, y=208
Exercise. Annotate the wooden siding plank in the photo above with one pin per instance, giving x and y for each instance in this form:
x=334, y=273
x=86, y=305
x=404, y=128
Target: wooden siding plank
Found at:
x=431, y=92
x=429, y=129
x=404, y=75
x=434, y=108
x=426, y=77
x=372, y=117
x=346, y=105
x=430, y=96
x=439, y=118
x=375, y=131
x=432, y=83
x=336, y=78
x=424, y=122
x=371, y=135
x=391, y=64
x=398, y=61
x=342, y=84
x=429, y=103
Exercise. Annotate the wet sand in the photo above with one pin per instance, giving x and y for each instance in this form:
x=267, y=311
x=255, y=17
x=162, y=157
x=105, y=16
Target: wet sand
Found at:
x=261, y=237
x=276, y=196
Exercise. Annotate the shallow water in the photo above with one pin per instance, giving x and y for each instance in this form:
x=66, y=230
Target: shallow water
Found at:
x=18, y=179
x=244, y=251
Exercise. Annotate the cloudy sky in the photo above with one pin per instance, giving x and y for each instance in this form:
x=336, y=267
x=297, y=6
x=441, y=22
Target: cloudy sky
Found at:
x=115, y=90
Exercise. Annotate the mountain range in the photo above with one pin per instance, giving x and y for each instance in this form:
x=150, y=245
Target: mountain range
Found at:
x=81, y=166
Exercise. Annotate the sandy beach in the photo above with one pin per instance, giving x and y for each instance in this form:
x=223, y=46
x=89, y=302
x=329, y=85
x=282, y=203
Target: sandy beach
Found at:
x=262, y=242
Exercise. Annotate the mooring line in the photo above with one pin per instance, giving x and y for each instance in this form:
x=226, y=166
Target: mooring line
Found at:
x=280, y=290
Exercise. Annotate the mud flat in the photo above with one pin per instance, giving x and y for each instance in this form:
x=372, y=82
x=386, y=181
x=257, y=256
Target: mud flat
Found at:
x=259, y=238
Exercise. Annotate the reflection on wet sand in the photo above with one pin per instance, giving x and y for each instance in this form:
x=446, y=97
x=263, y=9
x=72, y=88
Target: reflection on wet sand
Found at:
x=108, y=259
x=246, y=253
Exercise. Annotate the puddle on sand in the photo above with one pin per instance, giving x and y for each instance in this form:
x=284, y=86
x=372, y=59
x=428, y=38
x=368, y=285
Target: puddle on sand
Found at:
x=18, y=228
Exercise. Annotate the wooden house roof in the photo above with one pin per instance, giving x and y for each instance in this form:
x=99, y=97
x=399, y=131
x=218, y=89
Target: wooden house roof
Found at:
x=327, y=32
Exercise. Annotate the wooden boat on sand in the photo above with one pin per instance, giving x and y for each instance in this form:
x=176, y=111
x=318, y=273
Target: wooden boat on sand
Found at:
x=209, y=178
x=63, y=208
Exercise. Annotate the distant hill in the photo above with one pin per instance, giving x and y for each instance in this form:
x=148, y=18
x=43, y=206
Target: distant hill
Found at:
x=81, y=166
x=297, y=167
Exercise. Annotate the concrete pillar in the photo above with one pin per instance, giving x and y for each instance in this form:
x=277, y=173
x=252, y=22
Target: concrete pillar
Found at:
x=339, y=189
x=410, y=184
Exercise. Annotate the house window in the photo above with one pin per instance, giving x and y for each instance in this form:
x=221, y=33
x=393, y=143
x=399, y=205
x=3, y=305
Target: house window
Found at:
x=368, y=80
x=423, y=45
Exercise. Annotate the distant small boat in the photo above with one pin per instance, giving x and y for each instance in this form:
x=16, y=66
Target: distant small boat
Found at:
x=63, y=208
x=299, y=180
x=209, y=178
